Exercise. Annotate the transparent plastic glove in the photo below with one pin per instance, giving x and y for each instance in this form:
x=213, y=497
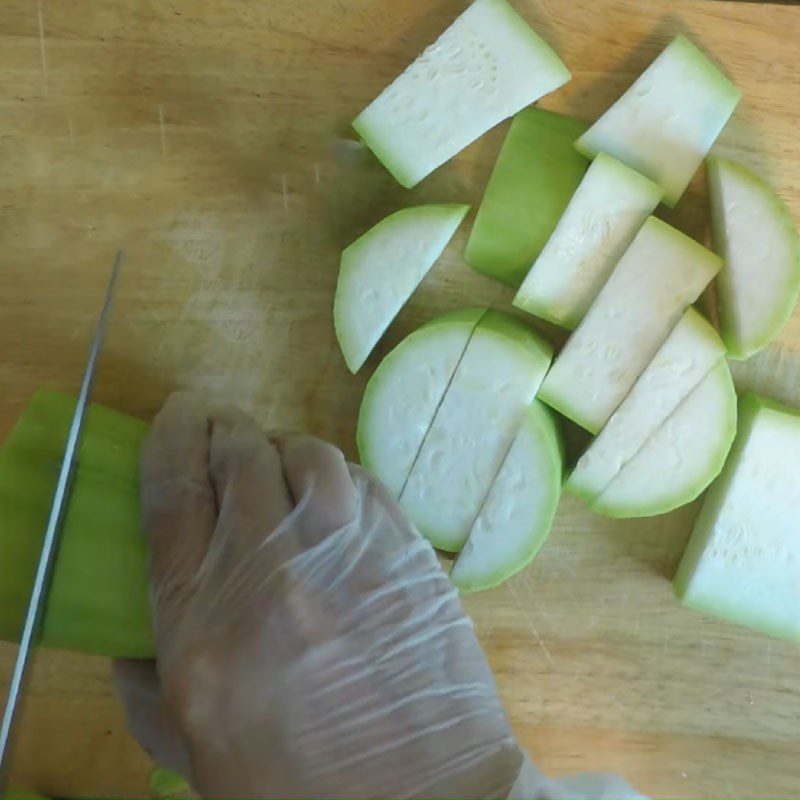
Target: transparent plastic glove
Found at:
x=309, y=644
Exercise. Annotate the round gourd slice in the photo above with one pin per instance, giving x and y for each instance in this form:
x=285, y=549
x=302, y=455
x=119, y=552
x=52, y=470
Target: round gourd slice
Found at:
x=381, y=270
x=482, y=410
x=403, y=395
x=518, y=512
x=759, y=243
x=682, y=457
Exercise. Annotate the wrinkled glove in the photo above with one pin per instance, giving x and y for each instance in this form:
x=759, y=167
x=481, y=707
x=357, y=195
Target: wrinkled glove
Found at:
x=309, y=644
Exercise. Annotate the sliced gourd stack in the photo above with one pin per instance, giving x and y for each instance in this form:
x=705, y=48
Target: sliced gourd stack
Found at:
x=691, y=351
x=681, y=457
x=470, y=434
x=486, y=463
x=403, y=395
x=660, y=274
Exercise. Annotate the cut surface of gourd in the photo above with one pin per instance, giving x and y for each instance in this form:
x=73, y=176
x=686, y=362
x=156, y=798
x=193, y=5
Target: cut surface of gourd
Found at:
x=535, y=176
x=681, y=458
x=601, y=220
x=381, y=270
x=665, y=124
x=518, y=512
x=488, y=65
x=685, y=358
x=482, y=410
x=760, y=246
x=402, y=397
x=98, y=601
x=743, y=559
x=658, y=277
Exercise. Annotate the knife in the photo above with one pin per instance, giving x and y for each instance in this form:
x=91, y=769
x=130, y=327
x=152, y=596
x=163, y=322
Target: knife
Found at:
x=31, y=629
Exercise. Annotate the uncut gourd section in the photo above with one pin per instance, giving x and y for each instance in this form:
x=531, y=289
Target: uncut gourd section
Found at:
x=743, y=559
x=98, y=600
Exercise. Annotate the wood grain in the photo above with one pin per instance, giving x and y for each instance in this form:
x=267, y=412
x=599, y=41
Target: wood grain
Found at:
x=211, y=140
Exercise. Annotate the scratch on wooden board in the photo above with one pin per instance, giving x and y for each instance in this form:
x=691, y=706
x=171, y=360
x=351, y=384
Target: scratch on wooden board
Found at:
x=70, y=131
x=317, y=175
x=162, y=131
x=42, y=50
x=486, y=633
x=532, y=627
x=274, y=411
x=284, y=193
x=542, y=613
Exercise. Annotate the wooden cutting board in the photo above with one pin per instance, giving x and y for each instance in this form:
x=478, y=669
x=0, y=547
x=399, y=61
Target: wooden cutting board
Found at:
x=211, y=140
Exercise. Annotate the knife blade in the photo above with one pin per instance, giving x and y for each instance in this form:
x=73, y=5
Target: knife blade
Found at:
x=33, y=618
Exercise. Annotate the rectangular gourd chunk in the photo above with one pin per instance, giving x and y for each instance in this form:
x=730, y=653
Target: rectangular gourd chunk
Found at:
x=473, y=429
x=658, y=277
x=600, y=222
x=743, y=560
x=665, y=124
x=488, y=65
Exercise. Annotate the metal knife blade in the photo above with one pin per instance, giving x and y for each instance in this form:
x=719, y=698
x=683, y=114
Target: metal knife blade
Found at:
x=33, y=618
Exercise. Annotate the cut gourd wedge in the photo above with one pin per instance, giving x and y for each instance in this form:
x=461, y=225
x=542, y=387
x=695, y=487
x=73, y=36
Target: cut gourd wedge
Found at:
x=485, y=67
x=403, y=395
x=536, y=173
x=665, y=124
x=381, y=270
x=743, y=560
x=682, y=457
x=606, y=212
x=518, y=512
x=661, y=273
x=759, y=243
x=98, y=601
x=479, y=416
x=685, y=358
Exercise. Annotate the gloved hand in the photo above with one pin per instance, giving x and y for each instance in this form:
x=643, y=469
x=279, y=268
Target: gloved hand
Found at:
x=309, y=644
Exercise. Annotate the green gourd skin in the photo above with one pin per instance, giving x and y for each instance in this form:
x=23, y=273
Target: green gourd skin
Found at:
x=536, y=174
x=98, y=600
